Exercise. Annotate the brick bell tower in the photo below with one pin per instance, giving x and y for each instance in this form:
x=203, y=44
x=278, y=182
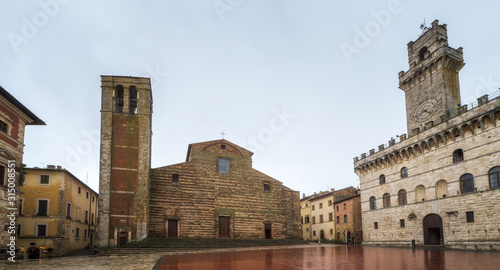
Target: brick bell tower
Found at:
x=125, y=159
x=431, y=84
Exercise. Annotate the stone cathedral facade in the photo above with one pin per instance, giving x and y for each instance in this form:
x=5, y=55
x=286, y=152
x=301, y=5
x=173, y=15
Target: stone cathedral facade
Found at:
x=439, y=183
x=215, y=193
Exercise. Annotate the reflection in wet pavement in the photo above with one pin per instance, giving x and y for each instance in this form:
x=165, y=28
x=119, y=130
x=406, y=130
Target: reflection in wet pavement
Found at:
x=336, y=257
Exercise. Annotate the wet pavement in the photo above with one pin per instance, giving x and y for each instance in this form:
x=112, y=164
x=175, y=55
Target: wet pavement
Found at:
x=335, y=257
x=309, y=257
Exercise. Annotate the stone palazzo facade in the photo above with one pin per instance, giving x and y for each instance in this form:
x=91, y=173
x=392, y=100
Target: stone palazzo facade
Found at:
x=438, y=185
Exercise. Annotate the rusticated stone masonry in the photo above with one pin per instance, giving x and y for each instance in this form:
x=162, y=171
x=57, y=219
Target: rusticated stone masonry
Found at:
x=194, y=199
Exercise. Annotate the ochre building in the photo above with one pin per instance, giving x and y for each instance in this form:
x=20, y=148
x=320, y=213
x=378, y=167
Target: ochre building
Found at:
x=57, y=213
x=318, y=214
x=438, y=185
x=215, y=193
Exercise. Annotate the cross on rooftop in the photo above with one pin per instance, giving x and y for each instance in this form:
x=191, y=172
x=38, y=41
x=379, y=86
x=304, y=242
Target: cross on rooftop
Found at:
x=222, y=133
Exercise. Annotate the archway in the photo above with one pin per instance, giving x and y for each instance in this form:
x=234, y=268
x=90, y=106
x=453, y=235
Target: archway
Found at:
x=433, y=229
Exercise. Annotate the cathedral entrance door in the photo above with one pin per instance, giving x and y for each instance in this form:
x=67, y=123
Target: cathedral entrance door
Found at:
x=433, y=229
x=224, y=226
x=268, y=231
x=172, y=228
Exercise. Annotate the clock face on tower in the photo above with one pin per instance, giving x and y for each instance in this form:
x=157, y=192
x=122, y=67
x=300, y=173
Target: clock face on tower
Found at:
x=425, y=110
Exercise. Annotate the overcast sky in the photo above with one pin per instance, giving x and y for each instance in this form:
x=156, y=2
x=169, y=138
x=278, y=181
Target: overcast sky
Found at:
x=305, y=85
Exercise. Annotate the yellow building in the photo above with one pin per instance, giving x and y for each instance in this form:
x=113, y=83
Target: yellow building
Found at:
x=57, y=213
x=305, y=214
x=318, y=213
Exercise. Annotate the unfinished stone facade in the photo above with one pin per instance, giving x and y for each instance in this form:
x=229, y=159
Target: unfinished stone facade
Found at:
x=439, y=185
x=125, y=159
x=217, y=193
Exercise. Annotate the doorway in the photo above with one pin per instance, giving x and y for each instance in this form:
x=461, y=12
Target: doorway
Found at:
x=122, y=239
x=172, y=228
x=268, y=231
x=433, y=230
x=224, y=227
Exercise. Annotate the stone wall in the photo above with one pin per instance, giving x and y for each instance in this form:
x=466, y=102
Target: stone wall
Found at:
x=202, y=194
x=429, y=159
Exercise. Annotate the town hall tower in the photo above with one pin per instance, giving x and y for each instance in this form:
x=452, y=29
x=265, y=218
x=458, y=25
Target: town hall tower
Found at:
x=431, y=84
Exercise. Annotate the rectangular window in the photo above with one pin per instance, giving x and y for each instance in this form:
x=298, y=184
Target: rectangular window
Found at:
x=314, y=233
x=44, y=179
x=78, y=213
x=68, y=210
x=375, y=225
x=70, y=184
x=306, y=220
x=92, y=219
x=469, y=216
x=85, y=234
x=93, y=199
x=41, y=230
x=345, y=206
x=175, y=178
x=313, y=207
x=330, y=203
x=223, y=165
x=402, y=223
x=330, y=216
x=86, y=216
x=87, y=195
x=345, y=218
x=338, y=219
x=79, y=190
x=267, y=186
x=320, y=218
x=42, y=207
x=77, y=233
x=314, y=220
x=331, y=231
x=19, y=230
x=3, y=126
x=21, y=207
x=2, y=175
x=320, y=205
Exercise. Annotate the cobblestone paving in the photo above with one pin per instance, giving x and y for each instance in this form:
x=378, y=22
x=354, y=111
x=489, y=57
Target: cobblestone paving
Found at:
x=140, y=262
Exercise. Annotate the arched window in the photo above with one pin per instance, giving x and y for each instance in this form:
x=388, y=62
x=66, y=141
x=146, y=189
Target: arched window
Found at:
x=458, y=155
x=386, y=199
x=467, y=183
x=132, y=99
x=495, y=177
x=441, y=189
x=345, y=218
x=373, y=203
x=421, y=53
x=419, y=193
x=345, y=206
x=404, y=172
x=402, y=197
x=119, y=98
x=382, y=179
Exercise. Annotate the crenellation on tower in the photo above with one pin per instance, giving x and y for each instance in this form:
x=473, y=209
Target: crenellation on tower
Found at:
x=431, y=84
